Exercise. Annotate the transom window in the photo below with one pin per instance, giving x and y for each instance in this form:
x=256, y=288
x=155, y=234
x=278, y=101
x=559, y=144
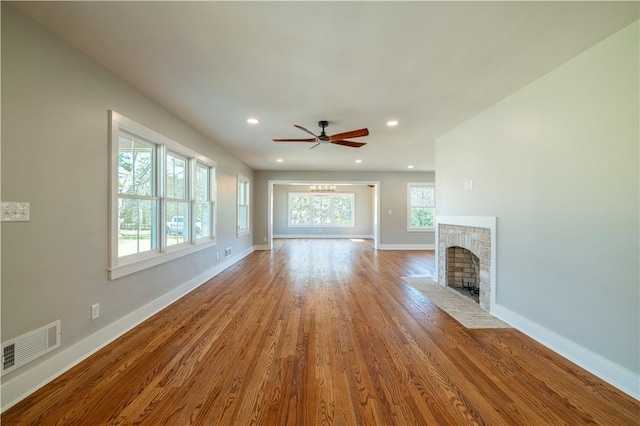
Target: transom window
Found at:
x=321, y=209
x=421, y=207
x=162, y=203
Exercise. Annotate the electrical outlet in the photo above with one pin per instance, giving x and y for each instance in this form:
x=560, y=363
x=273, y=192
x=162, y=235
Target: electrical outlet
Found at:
x=95, y=311
x=265, y=239
x=217, y=255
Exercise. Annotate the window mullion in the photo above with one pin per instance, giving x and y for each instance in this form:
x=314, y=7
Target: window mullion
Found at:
x=191, y=196
x=137, y=197
x=212, y=201
x=313, y=209
x=332, y=219
x=161, y=179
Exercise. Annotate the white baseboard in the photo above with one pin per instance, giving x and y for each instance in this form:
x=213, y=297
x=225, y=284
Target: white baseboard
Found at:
x=623, y=379
x=22, y=385
x=407, y=247
x=261, y=247
x=363, y=237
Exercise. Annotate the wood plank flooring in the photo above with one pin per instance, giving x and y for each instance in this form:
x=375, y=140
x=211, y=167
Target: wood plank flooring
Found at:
x=322, y=332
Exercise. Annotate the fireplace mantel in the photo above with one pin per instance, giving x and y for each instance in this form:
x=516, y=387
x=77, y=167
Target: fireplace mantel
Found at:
x=477, y=221
x=487, y=222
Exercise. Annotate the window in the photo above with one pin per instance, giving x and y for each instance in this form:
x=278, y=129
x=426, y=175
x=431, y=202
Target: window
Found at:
x=177, y=200
x=205, y=202
x=162, y=202
x=421, y=207
x=243, y=205
x=137, y=195
x=311, y=209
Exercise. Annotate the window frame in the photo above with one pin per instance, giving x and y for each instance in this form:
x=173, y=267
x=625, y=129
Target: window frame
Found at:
x=211, y=201
x=246, y=182
x=188, y=200
x=121, y=266
x=410, y=206
x=332, y=223
x=154, y=196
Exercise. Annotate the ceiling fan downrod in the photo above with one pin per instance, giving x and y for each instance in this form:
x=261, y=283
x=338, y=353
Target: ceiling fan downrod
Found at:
x=323, y=136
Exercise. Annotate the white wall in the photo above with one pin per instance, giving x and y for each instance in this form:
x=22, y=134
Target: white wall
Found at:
x=363, y=217
x=557, y=163
x=54, y=155
x=393, y=197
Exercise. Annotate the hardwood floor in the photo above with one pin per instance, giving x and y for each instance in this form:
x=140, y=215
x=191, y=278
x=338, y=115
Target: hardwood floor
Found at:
x=322, y=332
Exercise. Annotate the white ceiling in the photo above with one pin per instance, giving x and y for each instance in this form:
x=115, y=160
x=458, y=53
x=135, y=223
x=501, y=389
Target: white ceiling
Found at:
x=430, y=65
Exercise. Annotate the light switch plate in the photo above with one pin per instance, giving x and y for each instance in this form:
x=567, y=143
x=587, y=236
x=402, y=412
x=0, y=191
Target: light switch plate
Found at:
x=15, y=211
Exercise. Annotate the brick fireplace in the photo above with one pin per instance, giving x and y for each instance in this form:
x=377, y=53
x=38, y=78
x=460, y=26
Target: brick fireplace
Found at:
x=466, y=255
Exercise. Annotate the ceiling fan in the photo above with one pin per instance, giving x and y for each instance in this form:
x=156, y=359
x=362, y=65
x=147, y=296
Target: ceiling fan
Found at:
x=338, y=139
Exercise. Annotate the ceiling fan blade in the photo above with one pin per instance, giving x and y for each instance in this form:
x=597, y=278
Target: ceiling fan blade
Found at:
x=315, y=145
x=349, y=135
x=305, y=130
x=349, y=143
x=294, y=140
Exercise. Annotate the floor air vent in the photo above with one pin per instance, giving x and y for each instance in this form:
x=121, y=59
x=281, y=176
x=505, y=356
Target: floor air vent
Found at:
x=21, y=350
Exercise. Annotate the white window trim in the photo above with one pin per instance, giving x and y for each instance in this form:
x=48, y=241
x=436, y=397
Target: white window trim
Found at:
x=120, y=267
x=351, y=195
x=415, y=228
x=243, y=180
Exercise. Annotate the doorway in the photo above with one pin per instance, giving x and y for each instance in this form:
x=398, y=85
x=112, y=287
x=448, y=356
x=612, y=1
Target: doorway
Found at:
x=375, y=205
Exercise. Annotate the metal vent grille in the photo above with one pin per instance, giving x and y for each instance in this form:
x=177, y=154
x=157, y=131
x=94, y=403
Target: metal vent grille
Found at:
x=21, y=350
x=8, y=356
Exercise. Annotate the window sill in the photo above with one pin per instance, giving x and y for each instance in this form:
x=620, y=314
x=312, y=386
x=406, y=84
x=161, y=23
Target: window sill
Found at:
x=150, y=261
x=243, y=233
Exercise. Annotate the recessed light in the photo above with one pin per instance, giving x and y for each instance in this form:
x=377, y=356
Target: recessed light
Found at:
x=279, y=160
x=409, y=167
x=358, y=161
x=252, y=120
x=392, y=123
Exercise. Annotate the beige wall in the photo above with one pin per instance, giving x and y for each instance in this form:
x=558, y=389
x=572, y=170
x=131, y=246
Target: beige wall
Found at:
x=54, y=155
x=557, y=164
